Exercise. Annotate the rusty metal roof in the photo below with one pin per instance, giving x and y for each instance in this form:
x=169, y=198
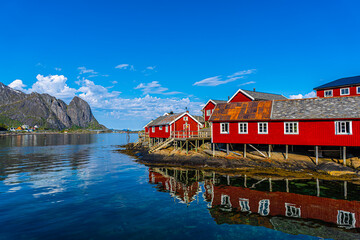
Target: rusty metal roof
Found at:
x=238, y=111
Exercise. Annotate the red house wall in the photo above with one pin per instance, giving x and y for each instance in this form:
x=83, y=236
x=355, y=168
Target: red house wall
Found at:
x=336, y=92
x=240, y=97
x=159, y=133
x=325, y=209
x=179, y=125
x=146, y=129
x=321, y=133
x=209, y=106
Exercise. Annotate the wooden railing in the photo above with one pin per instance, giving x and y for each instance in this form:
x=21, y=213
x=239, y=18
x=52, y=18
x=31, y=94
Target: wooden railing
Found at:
x=143, y=135
x=190, y=134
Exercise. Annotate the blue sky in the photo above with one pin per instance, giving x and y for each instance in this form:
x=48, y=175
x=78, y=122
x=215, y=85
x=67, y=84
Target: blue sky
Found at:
x=134, y=60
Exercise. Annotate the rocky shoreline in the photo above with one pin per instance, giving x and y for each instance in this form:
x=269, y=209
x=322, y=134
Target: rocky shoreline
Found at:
x=296, y=166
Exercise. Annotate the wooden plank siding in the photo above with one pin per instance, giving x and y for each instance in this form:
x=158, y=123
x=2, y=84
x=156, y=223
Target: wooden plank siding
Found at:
x=336, y=91
x=209, y=106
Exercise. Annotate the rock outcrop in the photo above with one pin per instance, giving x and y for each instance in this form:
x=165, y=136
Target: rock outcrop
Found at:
x=44, y=110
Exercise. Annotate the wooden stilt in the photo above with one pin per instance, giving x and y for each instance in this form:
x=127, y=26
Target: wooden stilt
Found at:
x=244, y=150
x=213, y=149
x=344, y=156
x=269, y=154
x=270, y=185
x=345, y=189
x=187, y=147
x=227, y=149
x=287, y=185
x=286, y=152
x=317, y=187
x=228, y=179
x=317, y=154
x=245, y=184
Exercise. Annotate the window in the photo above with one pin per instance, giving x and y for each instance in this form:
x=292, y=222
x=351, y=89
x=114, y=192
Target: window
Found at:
x=343, y=127
x=291, y=128
x=153, y=129
x=357, y=90
x=225, y=203
x=166, y=128
x=344, y=91
x=160, y=128
x=346, y=219
x=208, y=112
x=244, y=204
x=328, y=93
x=186, y=118
x=264, y=207
x=243, y=128
x=224, y=127
x=263, y=127
x=291, y=210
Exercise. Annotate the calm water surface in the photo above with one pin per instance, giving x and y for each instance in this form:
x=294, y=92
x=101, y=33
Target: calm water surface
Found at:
x=78, y=187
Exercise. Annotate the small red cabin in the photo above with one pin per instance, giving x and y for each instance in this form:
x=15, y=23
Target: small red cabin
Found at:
x=177, y=125
x=209, y=108
x=247, y=96
x=349, y=86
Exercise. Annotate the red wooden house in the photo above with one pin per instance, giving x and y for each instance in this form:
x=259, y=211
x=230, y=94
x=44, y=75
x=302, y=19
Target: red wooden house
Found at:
x=209, y=108
x=180, y=125
x=313, y=122
x=349, y=86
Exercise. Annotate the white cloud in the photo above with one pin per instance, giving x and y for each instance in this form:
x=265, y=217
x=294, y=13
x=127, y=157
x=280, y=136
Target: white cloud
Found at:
x=54, y=85
x=247, y=83
x=151, y=67
x=18, y=85
x=242, y=73
x=126, y=66
x=84, y=70
x=58, y=69
x=214, y=81
x=114, y=82
x=219, y=80
x=155, y=88
x=300, y=96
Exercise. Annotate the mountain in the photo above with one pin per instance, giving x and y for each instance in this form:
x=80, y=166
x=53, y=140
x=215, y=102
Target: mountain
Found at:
x=17, y=108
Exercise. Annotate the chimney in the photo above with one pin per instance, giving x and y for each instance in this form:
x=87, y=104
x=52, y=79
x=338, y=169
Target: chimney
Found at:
x=254, y=89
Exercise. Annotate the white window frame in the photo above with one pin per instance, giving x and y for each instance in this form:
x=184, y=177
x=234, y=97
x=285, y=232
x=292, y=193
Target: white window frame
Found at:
x=343, y=94
x=166, y=128
x=208, y=112
x=291, y=125
x=267, y=127
x=246, y=126
x=186, y=118
x=244, y=204
x=292, y=211
x=331, y=91
x=225, y=202
x=344, y=222
x=153, y=129
x=262, y=205
x=221, y=128
x=160, y=128
x=339, y=125
x=357, y=90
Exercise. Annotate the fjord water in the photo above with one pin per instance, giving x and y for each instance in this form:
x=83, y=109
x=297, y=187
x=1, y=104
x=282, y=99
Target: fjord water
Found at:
x=79, y=187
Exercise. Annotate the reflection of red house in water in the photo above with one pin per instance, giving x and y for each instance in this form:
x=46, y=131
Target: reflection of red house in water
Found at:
x=185, y=193
x=341, y=212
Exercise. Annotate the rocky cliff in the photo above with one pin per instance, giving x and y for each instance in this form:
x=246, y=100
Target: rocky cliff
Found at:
x=46, y=111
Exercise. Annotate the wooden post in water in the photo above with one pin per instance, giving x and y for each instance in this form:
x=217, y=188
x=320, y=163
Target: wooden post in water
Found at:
x=227, y=149
x=344, y=156
x=269, y=154
x=317, y=154
x=245, y=150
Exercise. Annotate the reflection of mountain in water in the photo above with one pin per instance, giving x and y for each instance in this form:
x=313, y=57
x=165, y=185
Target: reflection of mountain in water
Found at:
x=309, y=207
x=46, y=140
